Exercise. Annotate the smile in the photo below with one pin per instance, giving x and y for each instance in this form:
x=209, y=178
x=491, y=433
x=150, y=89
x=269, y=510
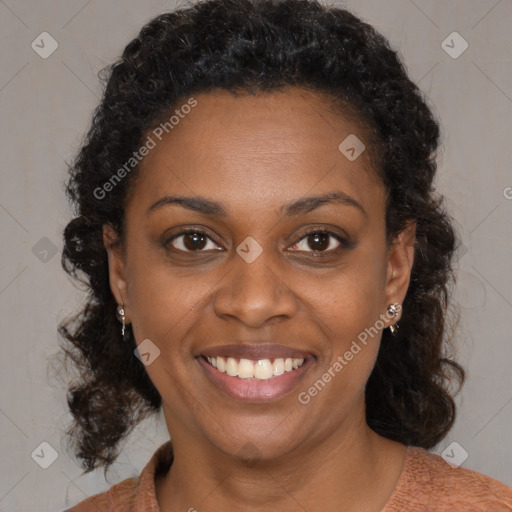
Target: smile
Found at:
x=262, y=369
x=255, y=380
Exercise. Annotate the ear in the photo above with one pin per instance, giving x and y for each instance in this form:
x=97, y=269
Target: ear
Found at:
x=116, y=266
x=400, y=261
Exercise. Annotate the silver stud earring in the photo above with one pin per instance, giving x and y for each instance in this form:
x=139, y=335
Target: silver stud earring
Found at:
x=393, y=310
x=121, y=317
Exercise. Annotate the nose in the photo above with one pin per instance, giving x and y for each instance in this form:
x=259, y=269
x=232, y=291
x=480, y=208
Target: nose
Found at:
x=256, y=293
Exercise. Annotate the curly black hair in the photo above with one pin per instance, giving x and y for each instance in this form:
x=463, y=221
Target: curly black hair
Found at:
x=252, y=46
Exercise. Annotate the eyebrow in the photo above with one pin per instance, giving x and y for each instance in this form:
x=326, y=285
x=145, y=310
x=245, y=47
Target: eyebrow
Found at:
x=300, y=206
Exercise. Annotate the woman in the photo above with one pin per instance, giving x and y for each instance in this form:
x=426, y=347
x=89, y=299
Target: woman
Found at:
x=269, y=263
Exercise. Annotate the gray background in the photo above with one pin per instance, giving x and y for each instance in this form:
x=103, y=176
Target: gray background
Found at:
x=45, y=107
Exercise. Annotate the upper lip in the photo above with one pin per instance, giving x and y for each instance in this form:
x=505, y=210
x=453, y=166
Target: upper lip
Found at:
x=255, y=351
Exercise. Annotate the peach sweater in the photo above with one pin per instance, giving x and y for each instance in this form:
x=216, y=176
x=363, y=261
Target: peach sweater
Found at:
x=427, y=483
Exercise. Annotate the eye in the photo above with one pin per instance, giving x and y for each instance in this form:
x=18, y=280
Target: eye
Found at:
x=320, y=241
x=193, y=240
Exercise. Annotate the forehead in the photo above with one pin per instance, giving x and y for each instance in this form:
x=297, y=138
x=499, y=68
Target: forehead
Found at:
x=262, y=148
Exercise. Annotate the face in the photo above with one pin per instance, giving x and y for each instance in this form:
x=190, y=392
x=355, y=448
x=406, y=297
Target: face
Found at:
x=253, y=275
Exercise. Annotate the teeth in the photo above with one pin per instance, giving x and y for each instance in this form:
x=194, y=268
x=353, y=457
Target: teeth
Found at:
x=245, y=369
x=232, y=367
x=221, y=364
x=263, y=369
x=278, y=367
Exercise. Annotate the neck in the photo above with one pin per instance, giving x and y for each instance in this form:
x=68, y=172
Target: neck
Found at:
x=351, y=469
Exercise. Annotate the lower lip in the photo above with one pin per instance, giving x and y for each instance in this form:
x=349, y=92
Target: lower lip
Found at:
x=255, y=390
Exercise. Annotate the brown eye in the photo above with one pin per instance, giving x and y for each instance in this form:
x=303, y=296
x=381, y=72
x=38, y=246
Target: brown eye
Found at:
x=319, y=241
x=192, y=241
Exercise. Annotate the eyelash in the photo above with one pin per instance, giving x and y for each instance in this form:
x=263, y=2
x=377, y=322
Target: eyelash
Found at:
x=344, y=243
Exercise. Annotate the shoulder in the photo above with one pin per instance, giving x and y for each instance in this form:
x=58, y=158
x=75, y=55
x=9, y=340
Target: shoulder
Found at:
x=429, y=483
x=132, y=494
x=120, y=495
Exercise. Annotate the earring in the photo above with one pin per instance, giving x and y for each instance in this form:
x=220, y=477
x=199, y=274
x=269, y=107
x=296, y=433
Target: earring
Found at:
x=393, y=310
x=121, y=317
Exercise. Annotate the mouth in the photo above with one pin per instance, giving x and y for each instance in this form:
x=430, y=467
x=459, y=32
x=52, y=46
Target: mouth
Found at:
x=255, y=373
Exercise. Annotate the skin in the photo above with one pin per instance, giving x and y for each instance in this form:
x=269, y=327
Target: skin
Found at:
x=279, y=455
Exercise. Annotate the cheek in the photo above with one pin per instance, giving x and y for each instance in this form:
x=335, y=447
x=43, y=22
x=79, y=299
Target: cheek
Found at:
x=168, y=305
x=165, y=308
x=346, y=364
x=164, y=300
x=349, y=306
x=351, y=298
